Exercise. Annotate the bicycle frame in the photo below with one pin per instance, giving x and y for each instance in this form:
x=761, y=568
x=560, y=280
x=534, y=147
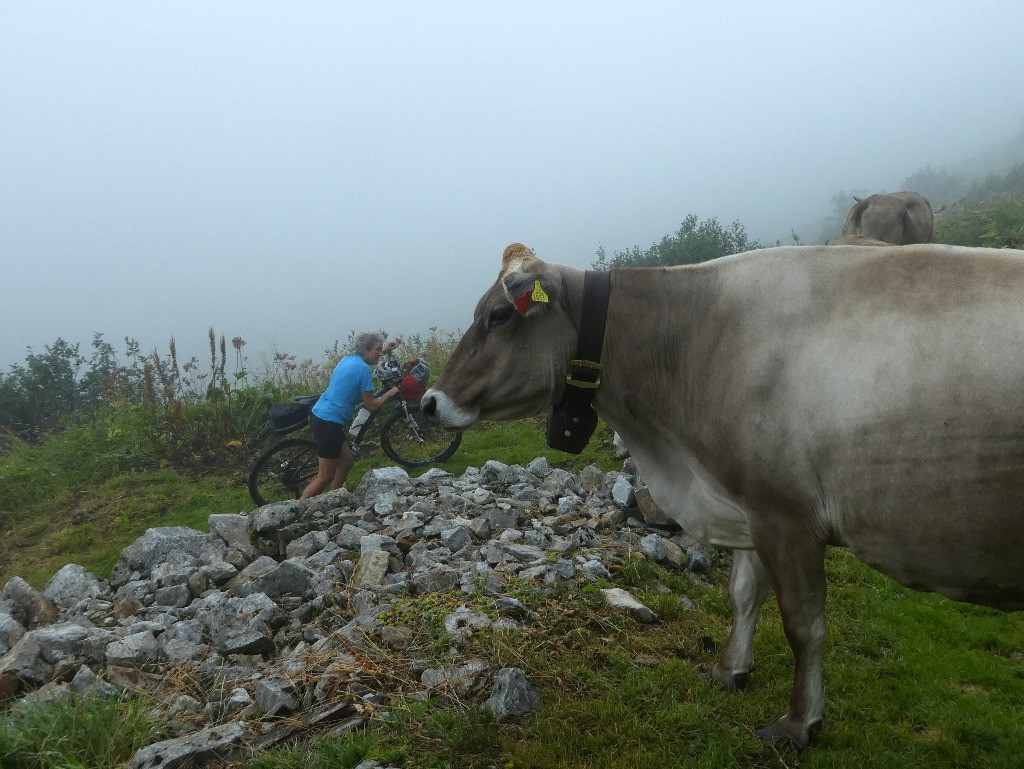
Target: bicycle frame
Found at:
x=354, y=441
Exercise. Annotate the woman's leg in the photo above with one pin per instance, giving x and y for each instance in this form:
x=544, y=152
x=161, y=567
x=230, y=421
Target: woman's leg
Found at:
x=330, y=440
x=345, y=463
x=327, y=469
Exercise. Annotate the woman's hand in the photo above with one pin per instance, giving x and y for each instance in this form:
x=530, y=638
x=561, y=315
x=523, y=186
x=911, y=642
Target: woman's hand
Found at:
x=372, y=403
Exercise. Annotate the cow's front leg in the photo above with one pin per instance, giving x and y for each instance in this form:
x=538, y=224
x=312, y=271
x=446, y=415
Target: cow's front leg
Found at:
x=796, y=565
x=748, y=587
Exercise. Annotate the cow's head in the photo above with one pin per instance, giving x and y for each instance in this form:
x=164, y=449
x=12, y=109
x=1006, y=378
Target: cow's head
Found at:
x=512, y=360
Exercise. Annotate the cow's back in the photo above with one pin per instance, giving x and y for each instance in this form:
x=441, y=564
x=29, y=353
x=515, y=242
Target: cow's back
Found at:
x=900, y=218
x=883, y=387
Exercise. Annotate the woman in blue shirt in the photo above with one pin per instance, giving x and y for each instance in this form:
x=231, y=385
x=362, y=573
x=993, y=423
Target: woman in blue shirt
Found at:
x=351, y=385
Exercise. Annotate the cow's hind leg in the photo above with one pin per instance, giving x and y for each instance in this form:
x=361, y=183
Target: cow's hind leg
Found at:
x=748, y=587
x=796, y=566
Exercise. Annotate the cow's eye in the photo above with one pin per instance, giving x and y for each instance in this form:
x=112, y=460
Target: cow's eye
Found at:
x=499, y=315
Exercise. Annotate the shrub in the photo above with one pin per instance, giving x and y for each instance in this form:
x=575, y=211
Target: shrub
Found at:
x=996, y=222
x=694, y=241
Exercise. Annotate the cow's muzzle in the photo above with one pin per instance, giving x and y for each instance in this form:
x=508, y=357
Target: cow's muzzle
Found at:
x=443, y=411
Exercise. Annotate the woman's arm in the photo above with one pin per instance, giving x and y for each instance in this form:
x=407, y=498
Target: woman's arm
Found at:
x=372, y=403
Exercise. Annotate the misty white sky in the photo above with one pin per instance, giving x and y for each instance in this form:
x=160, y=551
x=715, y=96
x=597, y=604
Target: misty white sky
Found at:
x=288, y=172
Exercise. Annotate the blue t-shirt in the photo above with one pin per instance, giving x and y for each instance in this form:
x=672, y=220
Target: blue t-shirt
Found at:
x=351, y=378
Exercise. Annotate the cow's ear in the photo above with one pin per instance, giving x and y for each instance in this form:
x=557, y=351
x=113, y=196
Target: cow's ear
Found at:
x=516, y=254
x=528, y=291
x=526, y=279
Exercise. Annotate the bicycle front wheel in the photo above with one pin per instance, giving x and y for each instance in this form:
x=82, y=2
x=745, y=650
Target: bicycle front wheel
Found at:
x=409, y=439
x=283, y=471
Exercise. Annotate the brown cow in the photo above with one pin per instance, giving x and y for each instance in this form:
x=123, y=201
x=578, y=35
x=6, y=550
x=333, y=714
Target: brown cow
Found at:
x=857, y=240
x=782, y=401
x=899, y=218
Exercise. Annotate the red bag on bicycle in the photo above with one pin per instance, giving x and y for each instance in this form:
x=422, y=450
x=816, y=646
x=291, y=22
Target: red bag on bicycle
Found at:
x=414, y=383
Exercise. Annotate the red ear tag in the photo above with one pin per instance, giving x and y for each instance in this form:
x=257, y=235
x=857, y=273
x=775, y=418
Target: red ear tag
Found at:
x=523, y=301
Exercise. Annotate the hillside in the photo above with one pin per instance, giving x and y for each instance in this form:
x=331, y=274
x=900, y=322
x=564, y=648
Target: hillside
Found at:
x=519, y=616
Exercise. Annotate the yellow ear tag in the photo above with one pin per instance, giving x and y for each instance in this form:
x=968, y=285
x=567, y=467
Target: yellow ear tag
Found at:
x=538, y=294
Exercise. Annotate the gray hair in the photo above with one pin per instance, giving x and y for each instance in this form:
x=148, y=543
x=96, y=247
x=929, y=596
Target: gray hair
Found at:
x=366, y=341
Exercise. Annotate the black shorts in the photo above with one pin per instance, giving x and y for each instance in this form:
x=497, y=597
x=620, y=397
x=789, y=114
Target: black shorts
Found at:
x=330, y=436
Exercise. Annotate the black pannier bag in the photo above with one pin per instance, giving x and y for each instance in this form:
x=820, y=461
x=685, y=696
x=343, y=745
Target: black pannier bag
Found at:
x=285, y=417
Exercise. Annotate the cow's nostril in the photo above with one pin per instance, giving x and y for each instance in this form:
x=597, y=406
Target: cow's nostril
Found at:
x=428, y=405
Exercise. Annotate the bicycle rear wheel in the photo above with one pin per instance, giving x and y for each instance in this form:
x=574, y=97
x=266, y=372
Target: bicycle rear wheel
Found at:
x=409, y=439
x=283, y=471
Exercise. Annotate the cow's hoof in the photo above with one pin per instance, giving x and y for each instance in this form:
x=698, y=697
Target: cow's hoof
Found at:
x=798, y=736
x=727, y=680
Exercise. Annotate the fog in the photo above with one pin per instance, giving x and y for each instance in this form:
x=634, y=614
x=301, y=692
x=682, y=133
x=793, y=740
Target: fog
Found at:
x=289, y=172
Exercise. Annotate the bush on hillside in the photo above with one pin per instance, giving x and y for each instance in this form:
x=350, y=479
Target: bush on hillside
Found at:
x=694, y=241
x=997, y=222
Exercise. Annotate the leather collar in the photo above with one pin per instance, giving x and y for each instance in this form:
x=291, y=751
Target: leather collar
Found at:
x=572, y=421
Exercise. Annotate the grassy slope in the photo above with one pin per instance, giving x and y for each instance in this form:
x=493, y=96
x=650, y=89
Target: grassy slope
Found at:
x=69, y=501
x=911, y=680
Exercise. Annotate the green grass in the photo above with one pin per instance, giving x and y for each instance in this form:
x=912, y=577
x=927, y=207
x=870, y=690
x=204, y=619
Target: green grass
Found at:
x=93, y=524
x=911, y=680
x=341, y=753
x=77, y=457
x=514, y=443
x=86, y=494
x=76, y=734
x=517, y=443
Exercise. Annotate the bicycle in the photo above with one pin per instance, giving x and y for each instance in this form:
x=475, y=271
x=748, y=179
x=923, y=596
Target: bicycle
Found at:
x=284, y=469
